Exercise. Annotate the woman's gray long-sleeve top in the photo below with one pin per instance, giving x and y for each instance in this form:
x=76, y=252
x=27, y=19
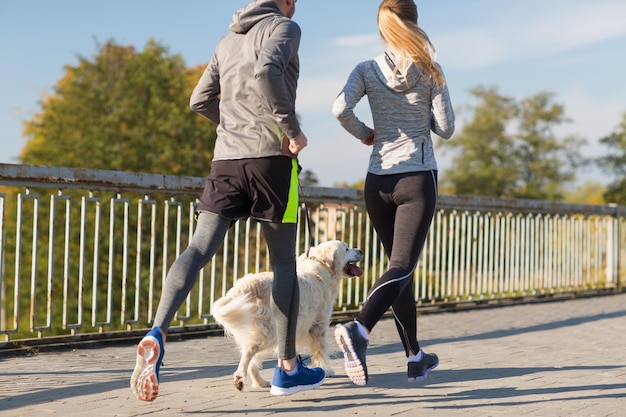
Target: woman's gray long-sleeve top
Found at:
x=405, y=108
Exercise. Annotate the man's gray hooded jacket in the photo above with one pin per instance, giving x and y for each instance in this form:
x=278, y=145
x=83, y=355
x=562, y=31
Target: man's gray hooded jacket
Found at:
x=249, y=86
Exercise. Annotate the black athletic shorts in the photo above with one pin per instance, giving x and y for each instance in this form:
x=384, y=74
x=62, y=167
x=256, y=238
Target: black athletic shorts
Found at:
x=262, y=188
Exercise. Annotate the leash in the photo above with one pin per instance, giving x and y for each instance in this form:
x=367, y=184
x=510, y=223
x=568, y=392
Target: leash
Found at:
x=306, y=212
x=308, y=221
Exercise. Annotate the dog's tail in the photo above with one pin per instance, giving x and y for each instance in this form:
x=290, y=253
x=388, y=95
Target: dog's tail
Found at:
x=234, y=311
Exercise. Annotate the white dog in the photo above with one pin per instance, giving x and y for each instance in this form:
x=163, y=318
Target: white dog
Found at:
x=246, y=314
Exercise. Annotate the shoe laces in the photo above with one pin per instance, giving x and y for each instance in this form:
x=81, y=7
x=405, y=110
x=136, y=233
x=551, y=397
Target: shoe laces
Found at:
x=302, y=367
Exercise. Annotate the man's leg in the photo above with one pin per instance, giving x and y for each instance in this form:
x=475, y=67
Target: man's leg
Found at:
x=181, y=277
x=290, y=376
x=285, y=290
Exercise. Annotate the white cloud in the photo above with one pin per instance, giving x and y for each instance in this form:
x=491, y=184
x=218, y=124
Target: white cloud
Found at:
x=316, y=93
x=357, y=41
x=592, y=117
x=470, y=49
x=323, y=75
x=572, y=27
x=550, y=30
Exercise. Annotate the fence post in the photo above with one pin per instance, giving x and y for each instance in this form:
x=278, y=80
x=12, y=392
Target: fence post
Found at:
x=620, y=246
x=614, y=250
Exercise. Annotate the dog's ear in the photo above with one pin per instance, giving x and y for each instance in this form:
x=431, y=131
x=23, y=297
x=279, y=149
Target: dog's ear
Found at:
x=321, y=256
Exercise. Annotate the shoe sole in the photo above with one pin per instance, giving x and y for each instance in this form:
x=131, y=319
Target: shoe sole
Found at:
x=279, y=391
x=423, y=377
x=144, y=382
x=353, y=366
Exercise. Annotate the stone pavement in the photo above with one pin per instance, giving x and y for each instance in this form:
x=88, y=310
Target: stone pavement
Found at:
x=564, y=358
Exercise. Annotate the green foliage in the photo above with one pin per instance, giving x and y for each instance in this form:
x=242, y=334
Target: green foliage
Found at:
x=120, y=110
x=483, y=163
x=587, y=193
x=616, y=192
x=546, y=162
x=615, y=163
x=123, y=110
x=359, y=185
x=307, y=177
x=509, y=149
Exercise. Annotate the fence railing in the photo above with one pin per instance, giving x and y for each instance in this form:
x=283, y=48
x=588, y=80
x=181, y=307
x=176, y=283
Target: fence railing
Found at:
x=85, y=252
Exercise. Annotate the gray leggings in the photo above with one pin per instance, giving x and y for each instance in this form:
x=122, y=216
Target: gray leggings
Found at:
x=207, y=238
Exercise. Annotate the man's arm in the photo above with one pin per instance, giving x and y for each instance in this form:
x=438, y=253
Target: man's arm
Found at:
x=204, y=98
x=269, y=70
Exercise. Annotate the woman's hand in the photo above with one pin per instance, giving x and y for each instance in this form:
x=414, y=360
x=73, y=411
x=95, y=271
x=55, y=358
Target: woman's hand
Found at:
x=369, y=141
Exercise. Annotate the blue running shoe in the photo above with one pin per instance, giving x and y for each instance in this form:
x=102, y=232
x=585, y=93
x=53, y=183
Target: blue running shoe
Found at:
x=145, y=379
x=304, y=379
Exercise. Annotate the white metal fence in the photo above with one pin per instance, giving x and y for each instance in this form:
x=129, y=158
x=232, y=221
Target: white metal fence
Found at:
x=85, y=252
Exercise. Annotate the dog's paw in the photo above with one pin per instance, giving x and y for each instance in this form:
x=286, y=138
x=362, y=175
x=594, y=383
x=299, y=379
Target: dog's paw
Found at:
x=239, y=383
x=329, y=372
x=261, y=384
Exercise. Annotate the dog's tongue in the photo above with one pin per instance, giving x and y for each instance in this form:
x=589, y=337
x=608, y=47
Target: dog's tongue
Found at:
x=353, y=270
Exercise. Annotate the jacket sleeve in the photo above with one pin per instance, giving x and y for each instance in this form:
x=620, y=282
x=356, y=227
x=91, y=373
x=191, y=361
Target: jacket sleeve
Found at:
x=205, y=96
x=273, y=60
x=442, y=114
x=346, y=101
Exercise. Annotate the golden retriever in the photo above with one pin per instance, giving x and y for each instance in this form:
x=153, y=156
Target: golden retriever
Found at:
x=246, y=314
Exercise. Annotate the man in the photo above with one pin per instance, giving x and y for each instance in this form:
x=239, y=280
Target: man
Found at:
x=249, y=90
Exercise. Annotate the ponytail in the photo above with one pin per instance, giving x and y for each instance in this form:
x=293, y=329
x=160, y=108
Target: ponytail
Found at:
x=397, y=22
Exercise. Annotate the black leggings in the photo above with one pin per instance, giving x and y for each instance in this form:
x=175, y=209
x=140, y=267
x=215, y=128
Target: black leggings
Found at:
x=401, y=208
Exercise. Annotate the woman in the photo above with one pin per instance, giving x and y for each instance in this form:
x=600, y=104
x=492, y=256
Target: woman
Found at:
x=408, y=97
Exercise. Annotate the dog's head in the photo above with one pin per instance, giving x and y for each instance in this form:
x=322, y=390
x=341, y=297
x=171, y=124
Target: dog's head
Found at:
x=338, y=257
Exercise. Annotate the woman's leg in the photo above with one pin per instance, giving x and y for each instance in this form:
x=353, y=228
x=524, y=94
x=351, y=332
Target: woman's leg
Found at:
x=401, y=214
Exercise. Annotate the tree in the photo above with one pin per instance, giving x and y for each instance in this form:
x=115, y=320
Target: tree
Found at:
x=123, y=110
x=509, y=149
x=546, y=162
x=308, y=177
x=483, y=162
x=359, y=185
x=589, y=192
x=615, y=163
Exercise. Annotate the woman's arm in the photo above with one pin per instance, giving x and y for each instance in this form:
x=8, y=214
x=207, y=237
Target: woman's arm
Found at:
x=344, y=104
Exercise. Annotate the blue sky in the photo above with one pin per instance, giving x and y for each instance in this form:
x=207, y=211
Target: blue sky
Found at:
x=573, y=48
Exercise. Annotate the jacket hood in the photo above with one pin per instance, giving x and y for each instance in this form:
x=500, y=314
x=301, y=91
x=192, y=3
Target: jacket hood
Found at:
x=244, y=19
x=391, y=72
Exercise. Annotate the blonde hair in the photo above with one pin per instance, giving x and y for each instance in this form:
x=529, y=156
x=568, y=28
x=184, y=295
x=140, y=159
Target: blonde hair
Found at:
x=397, y=23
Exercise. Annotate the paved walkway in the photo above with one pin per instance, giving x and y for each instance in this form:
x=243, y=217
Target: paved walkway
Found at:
x=563, y=358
